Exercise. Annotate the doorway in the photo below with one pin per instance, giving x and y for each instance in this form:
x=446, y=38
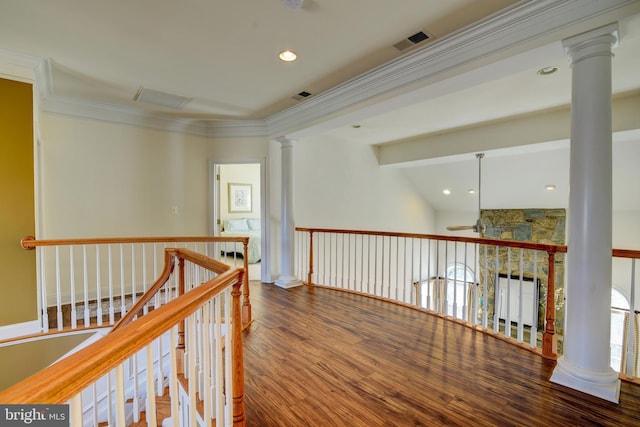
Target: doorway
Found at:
x=239, y=208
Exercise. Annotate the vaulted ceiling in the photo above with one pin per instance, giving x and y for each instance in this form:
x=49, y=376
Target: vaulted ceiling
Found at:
x=474, y=73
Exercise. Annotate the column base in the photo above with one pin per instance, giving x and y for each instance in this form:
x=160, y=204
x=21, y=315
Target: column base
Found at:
x=605, y=385
x=288, y=282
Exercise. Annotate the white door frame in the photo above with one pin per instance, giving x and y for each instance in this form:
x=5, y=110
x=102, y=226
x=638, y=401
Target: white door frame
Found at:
x=214, y=207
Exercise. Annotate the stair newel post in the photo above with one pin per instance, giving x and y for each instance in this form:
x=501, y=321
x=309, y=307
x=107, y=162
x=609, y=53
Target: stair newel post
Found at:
x=246, y=302
x=309, y=282
x=180, y=349
x=549, y=337
x=237, y=356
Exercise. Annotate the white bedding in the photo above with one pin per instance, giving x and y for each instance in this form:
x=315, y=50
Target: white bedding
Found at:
x=242, y=227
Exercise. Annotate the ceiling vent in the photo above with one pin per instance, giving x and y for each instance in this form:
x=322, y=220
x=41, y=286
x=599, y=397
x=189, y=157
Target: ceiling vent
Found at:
x=293, y=4
x=155, y=97
x=417, y=38
x=302, y=95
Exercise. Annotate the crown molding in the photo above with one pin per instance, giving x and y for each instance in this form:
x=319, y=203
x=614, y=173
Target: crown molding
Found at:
x=18, y=66
x=543, y=21
x=522, y=26
x=117, y=114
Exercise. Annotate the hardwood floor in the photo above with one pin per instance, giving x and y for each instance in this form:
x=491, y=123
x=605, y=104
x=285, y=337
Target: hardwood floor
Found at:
x=319, y=357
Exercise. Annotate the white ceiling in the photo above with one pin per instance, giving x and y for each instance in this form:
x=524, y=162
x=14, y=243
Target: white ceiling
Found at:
x=223, y=55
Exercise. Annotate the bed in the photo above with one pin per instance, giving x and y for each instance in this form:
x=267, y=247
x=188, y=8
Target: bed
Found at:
x=242, y=227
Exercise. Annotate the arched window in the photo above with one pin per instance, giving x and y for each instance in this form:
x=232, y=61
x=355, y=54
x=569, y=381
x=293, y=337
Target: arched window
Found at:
x=459, y=272
x=459, y=280
x=619, y=306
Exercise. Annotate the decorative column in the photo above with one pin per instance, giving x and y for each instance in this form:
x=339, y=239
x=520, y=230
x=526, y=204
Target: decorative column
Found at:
x=584, y=365
x=287, y=278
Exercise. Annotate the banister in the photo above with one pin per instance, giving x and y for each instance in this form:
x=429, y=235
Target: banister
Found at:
x=549, y=337
x=483, y=241
x=170, y=254
x=61, y=381
x=30, y=243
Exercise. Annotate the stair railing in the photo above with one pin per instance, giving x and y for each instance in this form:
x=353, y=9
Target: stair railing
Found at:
x=104, y=381
x=88, y=283
x=511, y=295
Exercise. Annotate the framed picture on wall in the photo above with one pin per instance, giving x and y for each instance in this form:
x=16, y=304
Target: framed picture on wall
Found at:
x=239, y=198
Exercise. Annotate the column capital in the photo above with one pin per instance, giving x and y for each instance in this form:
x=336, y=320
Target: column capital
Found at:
x=286, y=142
x=596, y=42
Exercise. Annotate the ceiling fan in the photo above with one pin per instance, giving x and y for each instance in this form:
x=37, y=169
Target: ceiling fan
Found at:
x=477, y=227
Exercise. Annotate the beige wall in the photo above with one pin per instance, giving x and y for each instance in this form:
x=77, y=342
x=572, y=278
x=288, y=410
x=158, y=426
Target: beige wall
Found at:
x=18, y=285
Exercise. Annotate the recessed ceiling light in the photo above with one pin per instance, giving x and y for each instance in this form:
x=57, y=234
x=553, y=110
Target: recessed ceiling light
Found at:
x=471, y=191
x=446, y=191
x=355, y=126
x=287, y=55
x=550, y=187
x=547, y=70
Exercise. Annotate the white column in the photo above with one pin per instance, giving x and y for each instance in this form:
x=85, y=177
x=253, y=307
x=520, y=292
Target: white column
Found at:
x=287, y=278
x=584, y=365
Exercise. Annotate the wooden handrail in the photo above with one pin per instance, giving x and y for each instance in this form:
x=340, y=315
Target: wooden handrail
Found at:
x=482, y=241
x=63, y=380
x=30, y=242
x=626, y=253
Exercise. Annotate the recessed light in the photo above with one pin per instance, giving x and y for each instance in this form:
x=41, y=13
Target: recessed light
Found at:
x=471, y=191
x=355, y=126
x=287, y=55
x=549, y=187
x=547, y=70
x=446, y=191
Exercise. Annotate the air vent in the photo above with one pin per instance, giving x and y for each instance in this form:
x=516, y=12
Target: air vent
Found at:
x=155, y=97
x=301, y=95
x=419, y=37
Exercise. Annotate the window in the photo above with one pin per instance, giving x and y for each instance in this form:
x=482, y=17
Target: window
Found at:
x=459, y=279
x=619, y=306
x=459, y=272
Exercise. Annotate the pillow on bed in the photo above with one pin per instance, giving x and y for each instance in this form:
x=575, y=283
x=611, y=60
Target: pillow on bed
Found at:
x=235, y=225
x=254, y=224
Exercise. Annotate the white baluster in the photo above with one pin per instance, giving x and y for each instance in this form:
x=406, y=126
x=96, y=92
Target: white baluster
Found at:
x=98, y=288
x=228, y=359
x=191, y=369
x=134, y=296
x=173, y=379
x=136, y=388
x=521, y=299
x=496, y=295
x=74, y=319
x=119, y=396
x=151, y=397
x=145, y=309
x=206, y=364
x=85, y=274
x=123, y=294
x=507, y=321
x=111, y=309
x=43, y=289
x=533, y=338
x=58, y=291
x=218, y=372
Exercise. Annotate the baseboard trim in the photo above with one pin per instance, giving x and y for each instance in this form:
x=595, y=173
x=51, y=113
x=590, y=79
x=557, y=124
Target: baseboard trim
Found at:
x=20, y=329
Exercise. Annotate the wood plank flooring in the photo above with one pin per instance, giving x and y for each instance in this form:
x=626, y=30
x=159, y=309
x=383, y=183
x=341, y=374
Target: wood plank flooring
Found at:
x=319, y=357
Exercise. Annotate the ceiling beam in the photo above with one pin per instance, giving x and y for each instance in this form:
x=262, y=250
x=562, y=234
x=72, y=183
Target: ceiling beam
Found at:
x=535, y=128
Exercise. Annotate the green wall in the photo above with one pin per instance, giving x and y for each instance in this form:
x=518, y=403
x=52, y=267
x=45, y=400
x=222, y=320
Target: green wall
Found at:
x=17, y=216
